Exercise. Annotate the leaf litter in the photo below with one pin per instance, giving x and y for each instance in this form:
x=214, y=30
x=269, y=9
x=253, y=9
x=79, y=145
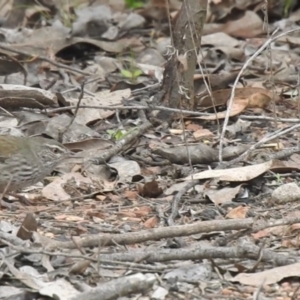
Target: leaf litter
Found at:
x=147, y=208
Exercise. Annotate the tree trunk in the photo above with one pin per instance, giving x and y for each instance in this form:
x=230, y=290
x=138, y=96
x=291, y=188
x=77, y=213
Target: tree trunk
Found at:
x=178, y=83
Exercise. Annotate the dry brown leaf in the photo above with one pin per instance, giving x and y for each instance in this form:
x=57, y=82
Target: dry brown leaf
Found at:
x=261, y=234
x=151, y=222
x=239, y=212
x=127, y=214
x=202, y=133
x=28, y=226
x=131, y=195
x=248, y=26
x=295, y=227
x=80, y=267
x=142, y=211
x=192, y=126
x=237, y=107
x=259, y=100
x=222, y=96
x=151, y=189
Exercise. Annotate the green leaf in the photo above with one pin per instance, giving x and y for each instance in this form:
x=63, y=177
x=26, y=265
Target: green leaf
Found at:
x=119, y=135
x=133, y=3
x=137, y=73
x=111, y=132
x=126, y=73
x=287, y=7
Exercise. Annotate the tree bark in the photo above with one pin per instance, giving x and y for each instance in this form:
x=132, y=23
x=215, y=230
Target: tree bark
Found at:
x=178, y=83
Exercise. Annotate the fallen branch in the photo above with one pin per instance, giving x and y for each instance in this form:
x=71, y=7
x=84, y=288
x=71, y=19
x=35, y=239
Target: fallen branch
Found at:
x=119, y=287
x=154, y=234
x=169, y=232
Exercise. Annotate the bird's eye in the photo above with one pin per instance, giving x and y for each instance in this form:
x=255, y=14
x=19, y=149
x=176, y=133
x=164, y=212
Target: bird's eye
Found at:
x=55, y=150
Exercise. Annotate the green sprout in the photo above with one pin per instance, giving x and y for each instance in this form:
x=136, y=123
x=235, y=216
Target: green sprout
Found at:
x=131, y=74
x=133, y=4
x=119, y=134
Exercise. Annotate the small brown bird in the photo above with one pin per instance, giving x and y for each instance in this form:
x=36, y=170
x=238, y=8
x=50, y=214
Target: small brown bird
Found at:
x=25, y=161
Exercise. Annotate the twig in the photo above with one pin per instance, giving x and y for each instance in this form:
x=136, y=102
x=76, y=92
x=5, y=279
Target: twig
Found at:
x=157, y=233
x=106, y=262
x=174, y=231
x=265, y=118
x=243, y=250
x=230, y=102
x=258, y=144
x=76, y=109
x=175, y=204
x=137, y=107
x=177, y=199
x=116, y=288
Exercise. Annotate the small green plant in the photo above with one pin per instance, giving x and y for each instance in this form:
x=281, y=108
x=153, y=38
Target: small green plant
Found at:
x=119, y=133
x=278, y=178
x=131, y=74
x=133, y=4
x=287, y=7
x=130, y=70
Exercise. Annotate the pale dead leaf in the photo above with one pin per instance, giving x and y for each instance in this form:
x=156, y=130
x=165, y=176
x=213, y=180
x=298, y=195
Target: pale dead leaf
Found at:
x=103, y=98
x=60, y=288
x=71, y=218
x=269, y=276
x=12, y=95
x=219, y=39
x=153, y=71
x=234, y=174
x=126, y=170
x=100, y=197
x=223, y=195
x=55, y=191
x=176, y=131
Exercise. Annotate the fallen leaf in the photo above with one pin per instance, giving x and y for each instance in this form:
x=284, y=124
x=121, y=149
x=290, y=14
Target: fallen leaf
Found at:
x=239, y=212
x=235, y=174
x=151, y=222
x=269, y=276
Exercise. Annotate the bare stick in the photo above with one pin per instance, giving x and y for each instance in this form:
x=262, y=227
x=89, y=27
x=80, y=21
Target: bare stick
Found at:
x=264, y=46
